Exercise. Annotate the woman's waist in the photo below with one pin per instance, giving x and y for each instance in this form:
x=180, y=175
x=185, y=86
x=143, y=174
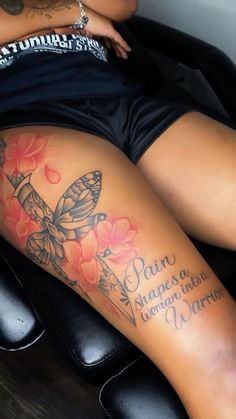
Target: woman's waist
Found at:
x=58, y=31
x=53, y=31
x=52, y=41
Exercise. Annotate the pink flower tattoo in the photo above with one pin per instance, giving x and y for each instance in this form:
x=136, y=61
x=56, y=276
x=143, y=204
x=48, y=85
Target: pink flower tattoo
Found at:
x=18, y=222
x=81, y=263
x=52, y=176
x=23, y=153
x=115, y=238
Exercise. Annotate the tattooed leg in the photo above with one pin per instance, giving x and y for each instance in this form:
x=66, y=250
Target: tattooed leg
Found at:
x=76, y=206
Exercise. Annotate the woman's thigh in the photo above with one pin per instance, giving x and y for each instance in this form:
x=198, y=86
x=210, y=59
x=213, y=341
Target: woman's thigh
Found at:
x=192, y=167
x=76, y=206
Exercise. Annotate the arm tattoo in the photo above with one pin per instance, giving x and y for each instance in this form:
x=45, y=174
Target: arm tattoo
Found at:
x=12, y=7
x=47, y=7
x=39, y=8
x=83, y=246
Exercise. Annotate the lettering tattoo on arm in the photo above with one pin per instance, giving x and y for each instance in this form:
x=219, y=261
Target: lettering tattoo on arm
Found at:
x=85, y=247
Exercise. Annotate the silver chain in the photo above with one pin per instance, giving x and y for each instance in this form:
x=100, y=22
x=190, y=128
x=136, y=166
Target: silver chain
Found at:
x=83, y=21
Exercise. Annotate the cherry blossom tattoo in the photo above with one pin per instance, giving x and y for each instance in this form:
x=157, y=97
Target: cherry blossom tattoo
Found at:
x=77, y=242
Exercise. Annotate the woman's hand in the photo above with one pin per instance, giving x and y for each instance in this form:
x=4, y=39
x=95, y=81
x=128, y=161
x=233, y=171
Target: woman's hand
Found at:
x=102, y=27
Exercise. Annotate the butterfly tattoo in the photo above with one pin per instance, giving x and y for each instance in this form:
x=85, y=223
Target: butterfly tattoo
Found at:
x=72, y=219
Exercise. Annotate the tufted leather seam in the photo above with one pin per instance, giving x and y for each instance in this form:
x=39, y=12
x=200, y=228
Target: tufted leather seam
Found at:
x=21, y=348
x=111, y=378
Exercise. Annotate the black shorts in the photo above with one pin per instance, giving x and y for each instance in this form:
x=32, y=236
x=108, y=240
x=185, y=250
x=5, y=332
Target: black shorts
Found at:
x=130, y=123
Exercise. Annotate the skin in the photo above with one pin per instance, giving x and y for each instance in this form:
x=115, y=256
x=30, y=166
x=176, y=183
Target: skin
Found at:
x=149, y=281
x=30, y=18
x=202, y=154
x=147, y=278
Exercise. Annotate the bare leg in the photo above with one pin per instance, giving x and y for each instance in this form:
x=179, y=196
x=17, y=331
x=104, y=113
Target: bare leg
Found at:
x=80, y=209
x=192, y=167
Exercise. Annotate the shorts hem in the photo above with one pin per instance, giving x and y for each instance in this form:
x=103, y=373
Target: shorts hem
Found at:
x=156, y=137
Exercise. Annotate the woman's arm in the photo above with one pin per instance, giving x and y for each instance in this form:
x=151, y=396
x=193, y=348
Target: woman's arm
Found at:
x=19, y=18
x=116, y=10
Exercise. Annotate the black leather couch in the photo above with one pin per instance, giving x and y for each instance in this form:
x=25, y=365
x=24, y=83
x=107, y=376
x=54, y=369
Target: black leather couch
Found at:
x=32, y=302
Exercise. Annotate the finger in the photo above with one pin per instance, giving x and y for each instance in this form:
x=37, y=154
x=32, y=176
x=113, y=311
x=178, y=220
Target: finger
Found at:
x=123, y=53
x=118, y=39
x=120, y=51
x=117, y=52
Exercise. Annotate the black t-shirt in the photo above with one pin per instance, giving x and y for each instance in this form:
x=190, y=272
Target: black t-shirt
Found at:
x=49, y=67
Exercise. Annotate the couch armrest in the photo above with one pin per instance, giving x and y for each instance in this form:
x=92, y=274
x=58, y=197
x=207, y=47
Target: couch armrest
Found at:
x=216, y=67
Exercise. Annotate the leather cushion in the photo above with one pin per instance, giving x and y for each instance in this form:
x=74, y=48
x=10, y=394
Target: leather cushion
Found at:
x=140, y=391
x=93, y=345
x=19, y=325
